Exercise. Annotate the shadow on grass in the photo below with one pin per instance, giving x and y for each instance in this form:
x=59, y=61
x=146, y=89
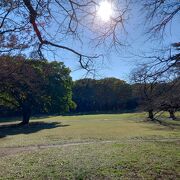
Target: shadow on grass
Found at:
x=14, y=129
x=19, y=118
x=163, y=122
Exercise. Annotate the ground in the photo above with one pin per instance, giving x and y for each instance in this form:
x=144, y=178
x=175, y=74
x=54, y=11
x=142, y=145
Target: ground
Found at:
x=114, y=146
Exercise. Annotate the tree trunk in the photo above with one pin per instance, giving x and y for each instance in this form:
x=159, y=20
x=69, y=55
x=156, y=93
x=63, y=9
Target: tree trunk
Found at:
x=172, y=115
x=26, y=112
x=151, y=115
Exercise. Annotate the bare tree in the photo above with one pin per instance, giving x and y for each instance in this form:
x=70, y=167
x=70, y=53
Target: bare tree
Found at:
x=157, y=84
x=170, y=99
x=164, y=62
x=159, y=15
x=43, y=25
x=146, y=89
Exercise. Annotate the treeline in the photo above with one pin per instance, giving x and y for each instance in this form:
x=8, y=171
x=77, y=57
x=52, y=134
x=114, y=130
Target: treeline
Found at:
x=104, y=95
x=157, y=90
x=115, y=95
x=29, y=87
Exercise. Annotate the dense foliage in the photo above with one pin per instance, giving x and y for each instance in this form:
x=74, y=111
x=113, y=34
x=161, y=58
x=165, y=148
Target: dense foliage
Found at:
x=33, y=86
x=114, y=95
x=109, y=94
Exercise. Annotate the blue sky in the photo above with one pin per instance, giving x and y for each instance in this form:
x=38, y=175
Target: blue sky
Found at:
x=119, y=64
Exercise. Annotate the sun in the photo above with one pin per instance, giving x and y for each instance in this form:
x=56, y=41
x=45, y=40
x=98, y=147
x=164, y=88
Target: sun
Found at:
x=105, y=11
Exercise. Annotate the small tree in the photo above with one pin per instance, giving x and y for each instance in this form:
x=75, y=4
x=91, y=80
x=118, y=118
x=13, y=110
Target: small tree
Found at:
x=34, y=86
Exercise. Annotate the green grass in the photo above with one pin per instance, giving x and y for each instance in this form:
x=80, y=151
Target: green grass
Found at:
x=136, y=149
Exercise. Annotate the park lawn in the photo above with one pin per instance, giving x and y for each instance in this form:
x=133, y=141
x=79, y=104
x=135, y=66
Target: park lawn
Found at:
x=113, y=146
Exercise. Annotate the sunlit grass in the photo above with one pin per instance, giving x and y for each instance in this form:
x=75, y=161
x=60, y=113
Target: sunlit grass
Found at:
x=62, y=129
x=136, y=149
x=130, y=160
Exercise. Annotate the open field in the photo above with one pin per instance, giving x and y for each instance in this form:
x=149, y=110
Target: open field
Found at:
x=119, y=146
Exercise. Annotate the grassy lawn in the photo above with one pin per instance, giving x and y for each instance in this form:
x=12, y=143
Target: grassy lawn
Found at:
x=119, y=146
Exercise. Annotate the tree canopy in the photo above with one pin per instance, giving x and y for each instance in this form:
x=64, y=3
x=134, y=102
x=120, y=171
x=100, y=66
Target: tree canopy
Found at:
x=109, y=94
x=34, y=86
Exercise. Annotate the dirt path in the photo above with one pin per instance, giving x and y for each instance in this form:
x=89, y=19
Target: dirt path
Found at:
x=7, y=151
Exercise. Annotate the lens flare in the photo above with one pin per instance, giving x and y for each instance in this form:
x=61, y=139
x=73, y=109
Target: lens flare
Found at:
x=105, y=11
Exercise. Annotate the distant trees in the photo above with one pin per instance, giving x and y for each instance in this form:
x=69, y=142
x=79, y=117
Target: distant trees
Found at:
x=146, y=93
x=170, y=99
x=157, y=90
x=109, y=94
x=145, y=89
x=34, y=86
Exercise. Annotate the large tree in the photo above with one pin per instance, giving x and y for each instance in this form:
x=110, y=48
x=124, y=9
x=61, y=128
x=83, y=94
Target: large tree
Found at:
x=34, y=86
